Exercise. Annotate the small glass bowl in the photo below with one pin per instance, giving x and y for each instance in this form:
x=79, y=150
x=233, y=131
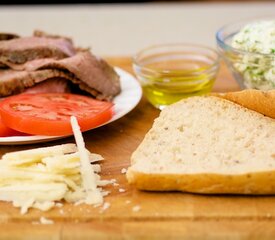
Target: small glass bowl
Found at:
x=170, y=72
x=250, y=69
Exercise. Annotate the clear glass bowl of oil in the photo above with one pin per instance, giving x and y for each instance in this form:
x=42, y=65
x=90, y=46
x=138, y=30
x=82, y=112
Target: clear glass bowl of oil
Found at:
x=171, y=72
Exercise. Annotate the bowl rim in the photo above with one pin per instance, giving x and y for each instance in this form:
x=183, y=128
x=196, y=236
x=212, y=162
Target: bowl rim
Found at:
x=221, y=42
x=214, y=63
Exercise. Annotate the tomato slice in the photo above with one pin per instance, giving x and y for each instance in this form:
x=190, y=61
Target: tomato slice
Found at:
x=49, y=113
x=8, y=132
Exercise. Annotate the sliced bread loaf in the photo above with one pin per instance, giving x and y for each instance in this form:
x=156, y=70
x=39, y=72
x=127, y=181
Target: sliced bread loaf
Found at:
x=257, y=100
x=207, y=145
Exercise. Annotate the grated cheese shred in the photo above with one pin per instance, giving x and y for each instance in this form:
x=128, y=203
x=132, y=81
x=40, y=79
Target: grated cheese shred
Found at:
x=40, y=178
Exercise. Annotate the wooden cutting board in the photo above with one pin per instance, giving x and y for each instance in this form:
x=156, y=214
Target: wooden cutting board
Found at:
x=160, y=215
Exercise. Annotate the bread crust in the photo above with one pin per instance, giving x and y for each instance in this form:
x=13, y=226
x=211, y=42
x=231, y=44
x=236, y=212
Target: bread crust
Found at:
x=256, y=100
x=256, y=183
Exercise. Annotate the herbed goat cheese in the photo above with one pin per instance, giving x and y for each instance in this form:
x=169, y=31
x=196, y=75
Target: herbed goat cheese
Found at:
x=256, y=37
x=258, y=70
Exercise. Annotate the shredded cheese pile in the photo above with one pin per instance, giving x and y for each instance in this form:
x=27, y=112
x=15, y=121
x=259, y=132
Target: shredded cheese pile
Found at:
x=42, y=177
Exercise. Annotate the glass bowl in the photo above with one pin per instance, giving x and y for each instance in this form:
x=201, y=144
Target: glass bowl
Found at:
x=250, y=69
x=170, y=72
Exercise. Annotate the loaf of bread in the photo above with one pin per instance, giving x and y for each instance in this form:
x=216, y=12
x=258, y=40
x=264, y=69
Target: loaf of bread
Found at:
x=207, y=145
x=257, y=100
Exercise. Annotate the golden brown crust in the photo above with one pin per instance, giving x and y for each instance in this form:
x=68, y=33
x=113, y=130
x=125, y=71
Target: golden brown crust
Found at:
x=257, y=183
x=259, y=101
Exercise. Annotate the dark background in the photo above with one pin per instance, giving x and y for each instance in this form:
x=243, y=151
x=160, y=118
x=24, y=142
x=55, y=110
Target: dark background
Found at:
x=12, y=2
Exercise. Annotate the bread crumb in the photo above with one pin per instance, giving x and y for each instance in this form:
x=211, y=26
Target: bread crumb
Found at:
x=121, y=190
x=123, y=170
x=44, y=220
x=128, y=201
x=115, y=184
x=105, y=206
x=113, y=181
x=61, y=211
x=136, y=208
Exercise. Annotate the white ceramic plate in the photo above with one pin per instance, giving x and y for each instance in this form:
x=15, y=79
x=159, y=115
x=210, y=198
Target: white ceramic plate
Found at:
x=128, y=98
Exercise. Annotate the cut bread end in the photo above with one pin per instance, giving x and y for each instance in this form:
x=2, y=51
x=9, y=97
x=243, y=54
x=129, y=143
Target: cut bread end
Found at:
x=256, y=183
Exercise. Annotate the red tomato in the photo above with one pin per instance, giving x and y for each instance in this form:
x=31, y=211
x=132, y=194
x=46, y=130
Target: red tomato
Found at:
x=49, y=113
x=8, y=132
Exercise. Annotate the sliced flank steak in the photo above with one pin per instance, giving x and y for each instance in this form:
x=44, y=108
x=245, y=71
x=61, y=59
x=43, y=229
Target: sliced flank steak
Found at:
x=21, y=50
x=90, y=74
x=29, y=61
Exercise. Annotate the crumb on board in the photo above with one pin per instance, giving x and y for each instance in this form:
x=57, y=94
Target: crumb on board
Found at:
x=136, y=208
x=44, y=220
x=114, y=182
x=123, y=170
x=127, y=201
x=105, y=206
x=121, y=190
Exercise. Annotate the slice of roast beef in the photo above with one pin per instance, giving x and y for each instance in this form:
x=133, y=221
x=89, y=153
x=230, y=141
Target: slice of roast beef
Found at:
x=14, y=82
x=52, y=85
x=83, y=69
x=89, y=72
x=5, y=37
x=39, y=33
x=30, y=65
x=21, y=50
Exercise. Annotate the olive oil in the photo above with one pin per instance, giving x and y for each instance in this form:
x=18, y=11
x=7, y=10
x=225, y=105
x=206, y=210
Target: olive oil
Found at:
x=170, y=72
x=171, y=80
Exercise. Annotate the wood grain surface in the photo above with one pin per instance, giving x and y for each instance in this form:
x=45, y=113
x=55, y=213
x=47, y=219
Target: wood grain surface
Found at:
x=161, y=215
